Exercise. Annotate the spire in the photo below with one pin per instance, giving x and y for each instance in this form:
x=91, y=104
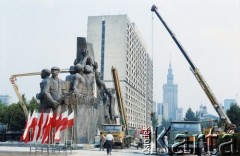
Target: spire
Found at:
x=170, y=75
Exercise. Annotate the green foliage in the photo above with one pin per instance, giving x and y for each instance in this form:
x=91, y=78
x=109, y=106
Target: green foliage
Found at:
x=16, y=117
x=233, y=113
x=13, y=115
x=33, y=104
x=190, y=115
x=3, y=110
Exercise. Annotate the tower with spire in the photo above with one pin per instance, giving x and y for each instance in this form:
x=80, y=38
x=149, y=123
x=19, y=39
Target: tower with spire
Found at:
x=170, y=95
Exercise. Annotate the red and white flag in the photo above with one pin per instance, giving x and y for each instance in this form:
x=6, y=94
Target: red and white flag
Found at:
x=27, y=129
x=48, y=126
x=62, y=123
x=27, y=124
x=71, y=119
x=33, y=125
x=41, y=126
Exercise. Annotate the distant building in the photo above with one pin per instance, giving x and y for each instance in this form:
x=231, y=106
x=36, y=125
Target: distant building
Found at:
x=209, y=120
x=170, y=95
x=5, y=99
x=202, y=111
x=160, y=108
x=165, y=111
x=154, y=107
x=117, y=42
x=179, y=114
x=228, y=103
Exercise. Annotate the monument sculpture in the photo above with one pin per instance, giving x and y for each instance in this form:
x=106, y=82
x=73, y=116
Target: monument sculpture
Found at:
x=69, y=79
x=45, y=73
x=54, y=91
x=82, y=92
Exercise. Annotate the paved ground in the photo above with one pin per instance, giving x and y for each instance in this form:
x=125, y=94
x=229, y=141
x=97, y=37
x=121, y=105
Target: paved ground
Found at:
x=25, y=151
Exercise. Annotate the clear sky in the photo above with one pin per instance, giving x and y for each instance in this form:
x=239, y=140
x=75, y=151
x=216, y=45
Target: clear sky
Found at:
x=37, y=34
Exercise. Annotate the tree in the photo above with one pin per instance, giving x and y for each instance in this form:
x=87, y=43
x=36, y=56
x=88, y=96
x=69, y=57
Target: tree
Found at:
x=16, y=118
x=3, y=111
x=233, y=113
x=154, y=120
x=13, y=115
x=33, y=104
x=190, y=115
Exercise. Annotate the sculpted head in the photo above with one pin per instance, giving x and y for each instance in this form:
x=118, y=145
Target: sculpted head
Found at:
x=55, y=70
x=72, y=70
x=45, y=73
x=78, y=68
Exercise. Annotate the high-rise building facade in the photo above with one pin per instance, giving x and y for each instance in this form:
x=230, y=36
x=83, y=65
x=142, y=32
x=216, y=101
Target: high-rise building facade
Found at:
x=117, y=42
x=170, y=95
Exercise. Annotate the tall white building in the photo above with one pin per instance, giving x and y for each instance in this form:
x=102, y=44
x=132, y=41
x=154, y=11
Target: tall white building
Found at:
x=170, y=95
x=117, y=42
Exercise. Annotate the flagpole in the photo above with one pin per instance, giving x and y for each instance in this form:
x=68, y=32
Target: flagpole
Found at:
x=30, y=140
x=71, y=139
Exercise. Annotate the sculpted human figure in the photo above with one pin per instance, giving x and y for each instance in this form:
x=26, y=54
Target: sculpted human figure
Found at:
x=101, y=87
x=84, y=54
x=89, y=76
x=45, y=73
x=69, y=79
x=106, y=104
x=78, y=80
x=110, y=92
x=54, y=90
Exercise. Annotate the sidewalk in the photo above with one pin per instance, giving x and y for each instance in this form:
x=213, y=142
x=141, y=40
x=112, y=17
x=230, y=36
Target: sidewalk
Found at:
x=25, y=151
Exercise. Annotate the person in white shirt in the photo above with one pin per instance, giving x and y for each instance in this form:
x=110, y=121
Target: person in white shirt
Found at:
x=109, y=142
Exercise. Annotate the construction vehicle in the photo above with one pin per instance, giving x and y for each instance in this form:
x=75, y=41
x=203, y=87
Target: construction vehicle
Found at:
x=13, y=80
x=225, y=121
x=120, y=131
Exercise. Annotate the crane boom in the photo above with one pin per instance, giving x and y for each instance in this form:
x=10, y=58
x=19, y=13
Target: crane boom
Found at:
x=224, y=118
x=121, y=106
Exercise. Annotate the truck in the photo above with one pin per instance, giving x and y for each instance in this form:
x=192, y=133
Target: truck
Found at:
x=118, y=133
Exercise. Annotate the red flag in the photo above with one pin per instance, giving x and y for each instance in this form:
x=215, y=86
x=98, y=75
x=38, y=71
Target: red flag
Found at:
x=54, y=120
x=33, y=124
x=69, y=121
x=22, y=138
x=42, y=126
x=63, y=121
x=58, y=120
x=27, y=129
x=39, y=125
x=47, y=130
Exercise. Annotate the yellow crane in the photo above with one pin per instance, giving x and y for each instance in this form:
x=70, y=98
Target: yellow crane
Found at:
x=121, y=105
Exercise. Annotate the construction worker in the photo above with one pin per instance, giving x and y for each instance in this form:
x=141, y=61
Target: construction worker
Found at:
x=102, y=141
